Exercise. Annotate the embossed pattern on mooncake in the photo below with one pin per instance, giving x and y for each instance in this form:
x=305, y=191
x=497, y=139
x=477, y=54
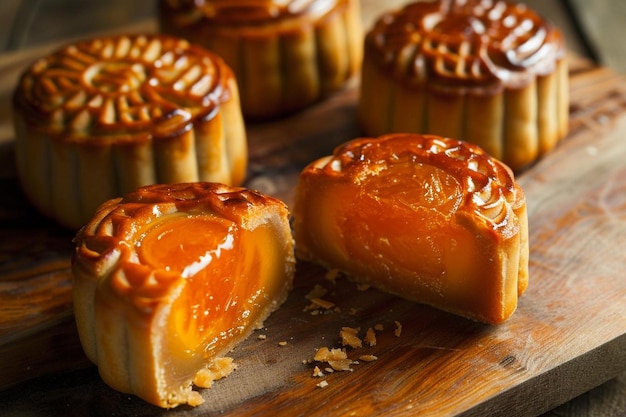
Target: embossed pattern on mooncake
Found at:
x=286, y=54
x=466, y=43
x=247, y=11
x=111, y=88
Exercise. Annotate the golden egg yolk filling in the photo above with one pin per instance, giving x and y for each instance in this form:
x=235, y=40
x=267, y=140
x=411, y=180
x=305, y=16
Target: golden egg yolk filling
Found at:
x=230, y=276
x=408, y=231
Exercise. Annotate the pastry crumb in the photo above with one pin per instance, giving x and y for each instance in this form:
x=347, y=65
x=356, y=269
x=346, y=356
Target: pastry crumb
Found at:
x=379, y=327
x=324, y=354
x=341, y=364
x=349, y=337
x=398, y=330
x=262, y=337
x=370, y=337
x=317, y=292
x=282, y=343
x=368, y=358
x=317, y=372
x=318, y=304
x=218, y=368
x=336, y=358
x=322, y=384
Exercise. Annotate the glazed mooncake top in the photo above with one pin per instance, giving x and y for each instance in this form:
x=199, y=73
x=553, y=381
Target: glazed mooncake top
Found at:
x=429, y=171
x=251, y=11
x=480, y=44
x=162, y=233
x=122, y=89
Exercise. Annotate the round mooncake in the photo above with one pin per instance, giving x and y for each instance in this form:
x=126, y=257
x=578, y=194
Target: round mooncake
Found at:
x=489, y=72
x=101, y=117
x=286, y=54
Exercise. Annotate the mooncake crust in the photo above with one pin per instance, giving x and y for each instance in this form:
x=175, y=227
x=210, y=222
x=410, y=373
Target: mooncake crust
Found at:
x=465, y=46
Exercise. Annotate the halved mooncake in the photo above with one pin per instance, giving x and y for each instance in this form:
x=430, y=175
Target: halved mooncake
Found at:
x=169, y=278
x=431, y=219
x=101, y=117
x=492, y=73
x=286, y=54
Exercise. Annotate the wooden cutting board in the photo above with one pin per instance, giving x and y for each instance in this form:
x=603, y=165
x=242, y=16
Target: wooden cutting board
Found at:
x=568, y=335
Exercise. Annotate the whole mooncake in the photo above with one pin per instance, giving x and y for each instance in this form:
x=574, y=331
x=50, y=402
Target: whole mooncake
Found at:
x=101, y=117
x=286, y=54
x=491, y=73
x=431, y=219
x=169, y=278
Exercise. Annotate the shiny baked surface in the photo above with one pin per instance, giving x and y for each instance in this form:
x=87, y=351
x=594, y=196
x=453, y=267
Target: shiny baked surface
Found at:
x=466, y=44
x=101, y=117
x=123, y=88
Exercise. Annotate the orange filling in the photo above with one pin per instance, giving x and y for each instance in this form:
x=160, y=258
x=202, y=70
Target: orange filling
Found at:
x=399, y=223
x=405, y=222
x=201, y=250
x=231, y=275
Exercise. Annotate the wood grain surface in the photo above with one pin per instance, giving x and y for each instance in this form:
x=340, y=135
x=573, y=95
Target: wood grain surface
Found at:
x=568, y=335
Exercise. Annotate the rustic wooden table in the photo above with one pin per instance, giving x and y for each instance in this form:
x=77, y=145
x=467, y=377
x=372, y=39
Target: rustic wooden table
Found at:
x=43, y=372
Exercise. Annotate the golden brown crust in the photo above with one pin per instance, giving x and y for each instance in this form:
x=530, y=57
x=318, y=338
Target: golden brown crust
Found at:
x=125, y=89
x=108, y=115
x=155, y=273
x=470, y=45
x=488, y=73
x=286, y=55
x=428, y=218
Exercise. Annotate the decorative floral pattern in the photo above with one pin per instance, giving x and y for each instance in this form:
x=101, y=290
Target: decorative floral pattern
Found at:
x=461, y=41
x=112, y=87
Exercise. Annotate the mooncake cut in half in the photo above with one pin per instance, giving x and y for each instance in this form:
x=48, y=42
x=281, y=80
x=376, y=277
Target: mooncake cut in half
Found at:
x=286, y=54
x=100, y=117
x=491, y=73
x=169, y=278
x=431, y=219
